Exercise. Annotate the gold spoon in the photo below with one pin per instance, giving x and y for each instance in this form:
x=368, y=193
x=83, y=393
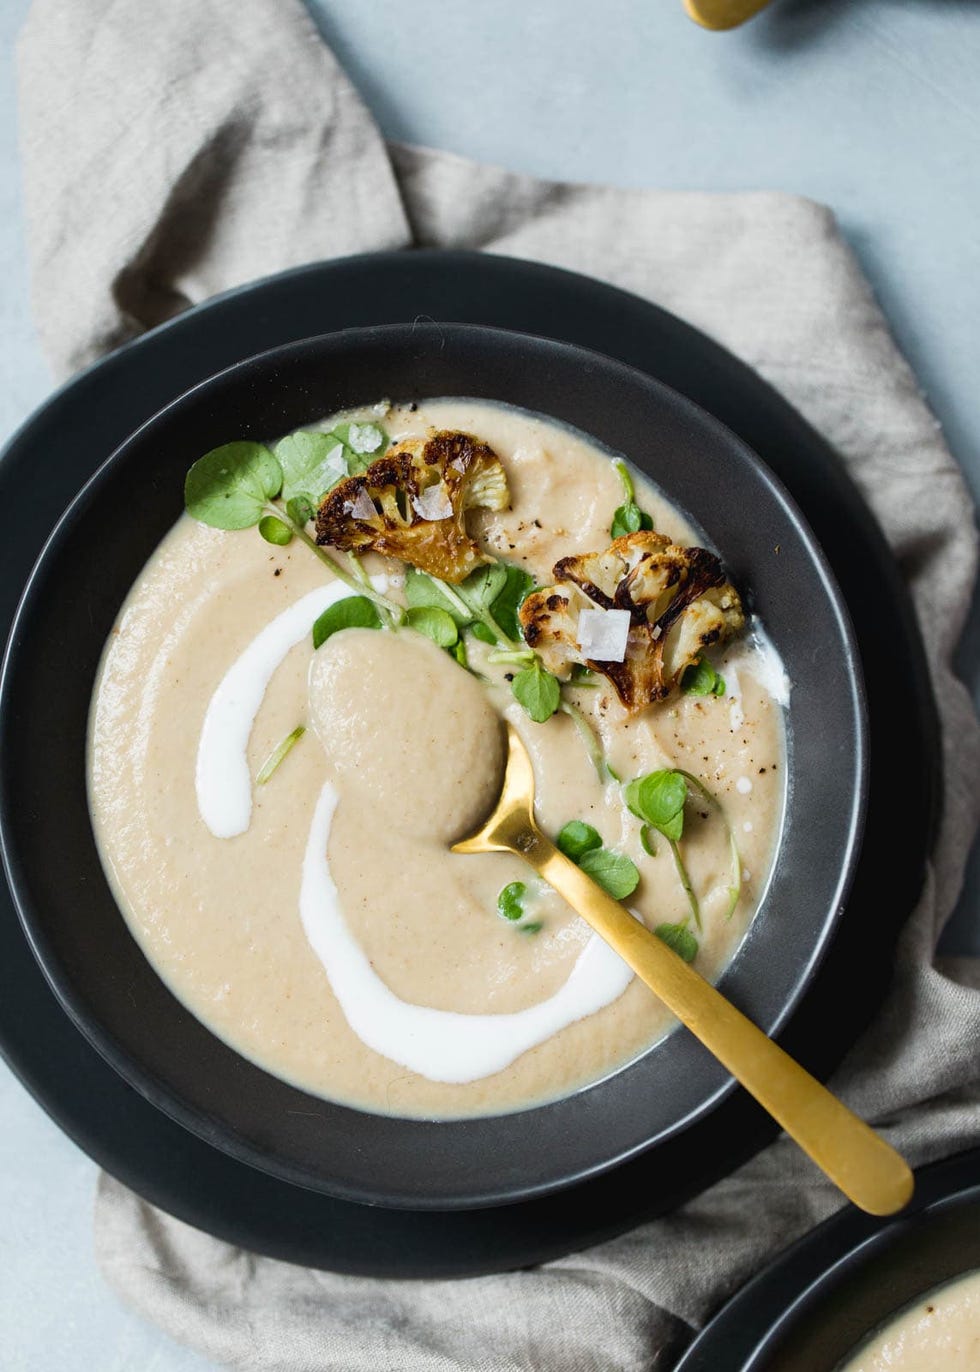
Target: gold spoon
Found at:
x=723, y=14
x=863, y=1165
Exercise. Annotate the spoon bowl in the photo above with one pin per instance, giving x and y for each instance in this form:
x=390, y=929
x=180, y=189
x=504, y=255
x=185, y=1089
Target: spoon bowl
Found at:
x=867, y=1169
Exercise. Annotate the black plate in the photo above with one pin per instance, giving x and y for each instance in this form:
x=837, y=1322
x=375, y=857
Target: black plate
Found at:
x=78, y=428
x=819, y=1298
x=92, y=960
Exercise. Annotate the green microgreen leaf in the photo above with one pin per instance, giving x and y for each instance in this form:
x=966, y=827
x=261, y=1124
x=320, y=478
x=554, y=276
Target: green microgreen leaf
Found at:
x=515, y=586
x=537, y=691
x=312, y=464
x=647, y=841
x=458, y=651
x=482, y=587
x=353, y=612
x=578, y=838
x=366, y=441
x=486, y=602
x=614, y=872
x=510, y=902
x=628, y=518
x=658, y=799
x=701, y=679
x=278, y=753
x=275, y=530
x=230, y=486
x=423, y=590
x=436, y=624
x=582, y=676
x=512, y=657
x=510, y=906
x=363, y=443
x=680, y=938
x=300, y=510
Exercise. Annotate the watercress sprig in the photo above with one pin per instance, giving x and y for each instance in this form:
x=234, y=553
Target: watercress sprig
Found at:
x=658, y=799
x=628, y=518
x=537, y=691
x=353, y=612
x=701, y=679
x=230, y=487
x=486, y=604
x=614, y=872
x=578, y=838
x=313, y=463
x=434, y=623
x=734, y=858
x=243, y=484
x=680, y=938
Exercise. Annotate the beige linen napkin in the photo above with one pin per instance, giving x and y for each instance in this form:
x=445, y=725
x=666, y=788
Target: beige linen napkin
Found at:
x=168, y=157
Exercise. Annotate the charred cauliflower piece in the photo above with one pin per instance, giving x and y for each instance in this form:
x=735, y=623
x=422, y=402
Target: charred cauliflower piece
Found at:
x=678, y=600
x=412, y=504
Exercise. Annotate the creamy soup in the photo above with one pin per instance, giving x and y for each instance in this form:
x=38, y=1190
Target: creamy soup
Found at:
x=316, y=920
x=940, y=1332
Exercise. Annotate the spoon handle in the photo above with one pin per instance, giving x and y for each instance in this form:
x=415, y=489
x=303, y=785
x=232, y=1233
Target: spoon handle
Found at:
x=859, y=1161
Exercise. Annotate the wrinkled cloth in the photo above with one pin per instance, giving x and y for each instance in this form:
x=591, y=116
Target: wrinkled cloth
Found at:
x=157, y=139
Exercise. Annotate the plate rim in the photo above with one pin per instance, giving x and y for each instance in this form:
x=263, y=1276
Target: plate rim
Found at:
x=585, y=306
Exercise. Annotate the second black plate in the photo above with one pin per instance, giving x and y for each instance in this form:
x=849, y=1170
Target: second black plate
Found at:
x=820, y=1298
x=74, y=432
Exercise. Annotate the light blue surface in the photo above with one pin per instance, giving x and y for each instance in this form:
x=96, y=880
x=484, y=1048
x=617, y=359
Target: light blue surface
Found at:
x=868, y=105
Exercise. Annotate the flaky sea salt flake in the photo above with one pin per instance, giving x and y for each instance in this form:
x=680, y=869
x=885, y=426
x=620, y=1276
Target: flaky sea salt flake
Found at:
x=603, y=634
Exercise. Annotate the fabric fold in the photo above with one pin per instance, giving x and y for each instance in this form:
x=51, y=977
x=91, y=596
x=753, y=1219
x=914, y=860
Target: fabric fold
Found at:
x=167, y=158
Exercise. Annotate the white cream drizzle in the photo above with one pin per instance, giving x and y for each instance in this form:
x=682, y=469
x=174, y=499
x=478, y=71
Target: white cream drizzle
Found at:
x=755, y=655
x=441, y=1045
x=222, y=779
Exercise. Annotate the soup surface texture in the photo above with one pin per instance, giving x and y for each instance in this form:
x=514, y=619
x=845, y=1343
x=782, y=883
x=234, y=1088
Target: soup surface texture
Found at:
x=316, y=920
x=940, y=1332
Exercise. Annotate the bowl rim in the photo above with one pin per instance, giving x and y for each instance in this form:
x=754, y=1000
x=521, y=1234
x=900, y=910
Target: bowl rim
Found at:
x=157, y=1090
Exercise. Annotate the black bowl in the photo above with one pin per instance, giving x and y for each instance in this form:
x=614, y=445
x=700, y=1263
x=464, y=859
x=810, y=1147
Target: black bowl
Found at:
x=819, y=1300
x=78, y=935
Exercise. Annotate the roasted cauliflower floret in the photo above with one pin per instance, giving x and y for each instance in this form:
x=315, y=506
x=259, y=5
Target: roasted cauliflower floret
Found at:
x=677, y=599
x=550, y=626
x=412, y=504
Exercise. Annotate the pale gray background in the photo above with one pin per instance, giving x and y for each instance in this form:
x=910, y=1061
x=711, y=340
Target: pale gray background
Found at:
x=867, y=105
